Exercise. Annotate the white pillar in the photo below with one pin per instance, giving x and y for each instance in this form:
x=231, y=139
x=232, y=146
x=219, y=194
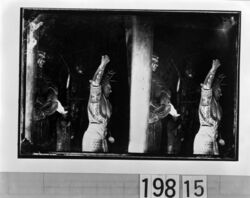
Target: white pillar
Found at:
x=142, y=45
x=30, y=77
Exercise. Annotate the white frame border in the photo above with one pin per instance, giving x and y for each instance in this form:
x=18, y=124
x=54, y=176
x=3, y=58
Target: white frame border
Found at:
x=9, y=89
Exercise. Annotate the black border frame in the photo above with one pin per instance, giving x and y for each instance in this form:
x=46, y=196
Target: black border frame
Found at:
x=127, y=156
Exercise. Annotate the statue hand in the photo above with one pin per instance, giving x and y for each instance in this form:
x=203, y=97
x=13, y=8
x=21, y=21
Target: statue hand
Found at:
x=173, y=111
x=60, y=108
x=216, y=64
x=105, y=60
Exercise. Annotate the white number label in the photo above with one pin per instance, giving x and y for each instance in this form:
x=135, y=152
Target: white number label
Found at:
x=159, y=186
x=145, y=190
x=194, y=186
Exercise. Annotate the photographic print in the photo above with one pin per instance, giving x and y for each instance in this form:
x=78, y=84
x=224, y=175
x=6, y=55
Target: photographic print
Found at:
x=129, y=84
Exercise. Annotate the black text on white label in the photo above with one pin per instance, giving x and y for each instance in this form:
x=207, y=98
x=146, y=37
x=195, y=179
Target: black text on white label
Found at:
x=159, y=186
x=194, y=186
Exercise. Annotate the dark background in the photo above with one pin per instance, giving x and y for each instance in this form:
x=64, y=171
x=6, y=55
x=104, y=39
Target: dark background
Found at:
x=75, y=40
x=193, y=40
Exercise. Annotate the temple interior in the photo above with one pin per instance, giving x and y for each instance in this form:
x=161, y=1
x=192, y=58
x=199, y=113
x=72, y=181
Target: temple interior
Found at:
x=185, y=42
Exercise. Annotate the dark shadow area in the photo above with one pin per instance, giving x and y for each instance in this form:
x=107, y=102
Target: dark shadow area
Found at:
x=72, y=43
x=187, y=44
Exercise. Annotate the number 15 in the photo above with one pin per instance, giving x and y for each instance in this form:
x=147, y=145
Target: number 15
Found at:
x=194, y=186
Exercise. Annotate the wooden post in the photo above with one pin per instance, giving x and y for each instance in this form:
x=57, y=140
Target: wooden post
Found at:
x=142, y=46
x=30, y=77
x=22, y=84
x=63, y=135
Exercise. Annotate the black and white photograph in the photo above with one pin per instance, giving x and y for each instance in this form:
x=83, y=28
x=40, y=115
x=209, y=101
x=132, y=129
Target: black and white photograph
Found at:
x=129, y=84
